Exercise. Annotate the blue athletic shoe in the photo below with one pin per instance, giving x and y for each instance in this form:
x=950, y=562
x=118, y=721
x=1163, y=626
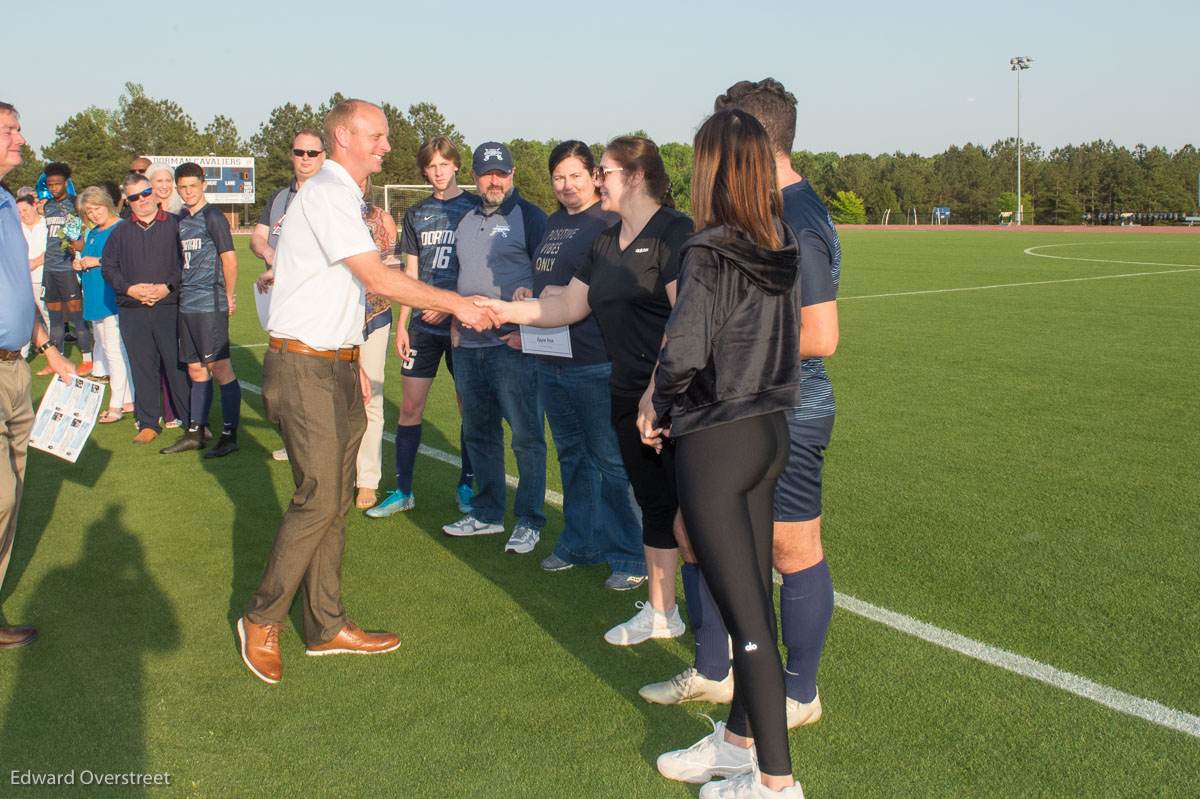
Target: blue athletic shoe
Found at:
x=464, y=493
x=395, y=502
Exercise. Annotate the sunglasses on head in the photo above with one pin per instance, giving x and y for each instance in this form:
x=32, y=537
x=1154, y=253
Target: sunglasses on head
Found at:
x=141, y=195
x=310, y=153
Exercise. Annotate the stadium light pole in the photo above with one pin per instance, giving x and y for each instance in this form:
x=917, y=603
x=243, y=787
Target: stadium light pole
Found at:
x=1019, y=64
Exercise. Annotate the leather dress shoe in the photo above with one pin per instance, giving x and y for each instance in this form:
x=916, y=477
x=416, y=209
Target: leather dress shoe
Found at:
x=260, y=649
x=353, y=641
x=13, y=637
x=145, y=435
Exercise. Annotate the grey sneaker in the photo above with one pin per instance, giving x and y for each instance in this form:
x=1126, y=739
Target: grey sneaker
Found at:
x=620, y=581
x=524, y=538
x=801, y=713
x=711, y=756
x=553, y=563
x=469, y=525
x=689, y=686
x=648, y=623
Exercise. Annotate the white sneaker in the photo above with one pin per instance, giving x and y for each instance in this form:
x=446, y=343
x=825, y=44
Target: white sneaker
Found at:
x=648, y=623
x=280, y=454
x=748, y=786
x=524, y=538
x=469, y=525
x=801, y=713
x=689, y=686
x=711, y=756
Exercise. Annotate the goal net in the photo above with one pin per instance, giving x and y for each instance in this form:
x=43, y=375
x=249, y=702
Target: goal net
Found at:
x=395, y=199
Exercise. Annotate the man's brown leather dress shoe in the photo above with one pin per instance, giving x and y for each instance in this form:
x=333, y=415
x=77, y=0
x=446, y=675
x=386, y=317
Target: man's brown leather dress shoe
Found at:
x=13, y=637
x=260, y=649
x=353, y=641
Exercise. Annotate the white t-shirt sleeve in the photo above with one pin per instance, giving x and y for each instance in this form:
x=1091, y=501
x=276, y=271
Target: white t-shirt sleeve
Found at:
x=335, y=218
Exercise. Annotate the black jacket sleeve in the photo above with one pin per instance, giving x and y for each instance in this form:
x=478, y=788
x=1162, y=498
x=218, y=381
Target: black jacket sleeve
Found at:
x=689, y=332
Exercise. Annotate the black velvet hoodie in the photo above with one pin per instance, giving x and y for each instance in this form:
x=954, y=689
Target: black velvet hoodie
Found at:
x=733, y=339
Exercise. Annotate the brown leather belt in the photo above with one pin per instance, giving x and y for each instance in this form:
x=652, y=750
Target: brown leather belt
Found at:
x=10, y=355
x=291, y=345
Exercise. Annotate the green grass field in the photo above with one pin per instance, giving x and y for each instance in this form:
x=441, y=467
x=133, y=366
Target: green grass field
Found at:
x=1015, y=464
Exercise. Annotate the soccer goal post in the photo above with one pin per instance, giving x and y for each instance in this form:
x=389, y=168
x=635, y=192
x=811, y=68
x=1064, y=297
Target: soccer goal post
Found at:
x=396, y=198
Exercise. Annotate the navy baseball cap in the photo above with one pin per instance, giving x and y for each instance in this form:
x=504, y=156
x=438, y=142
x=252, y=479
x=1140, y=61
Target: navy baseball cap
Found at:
x=491, y=155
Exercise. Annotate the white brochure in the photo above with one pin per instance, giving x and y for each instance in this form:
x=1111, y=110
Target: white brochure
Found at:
x=66, y=416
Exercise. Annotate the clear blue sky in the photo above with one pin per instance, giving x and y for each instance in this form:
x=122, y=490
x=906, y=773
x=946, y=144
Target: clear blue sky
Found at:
x=870, y=77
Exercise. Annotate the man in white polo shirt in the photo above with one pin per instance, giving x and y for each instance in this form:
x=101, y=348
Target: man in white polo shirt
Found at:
x=314, y=391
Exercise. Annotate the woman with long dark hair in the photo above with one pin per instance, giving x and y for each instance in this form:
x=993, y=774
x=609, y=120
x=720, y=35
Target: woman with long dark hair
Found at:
x=600, y=517
x=729, y=369
x=628, y=282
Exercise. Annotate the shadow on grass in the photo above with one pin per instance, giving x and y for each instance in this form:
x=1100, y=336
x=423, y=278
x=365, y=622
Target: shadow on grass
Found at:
x=44, y=478
x=82, y=684
x=574, y=609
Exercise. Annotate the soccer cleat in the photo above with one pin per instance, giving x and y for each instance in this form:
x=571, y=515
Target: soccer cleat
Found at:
x=620, y=581
x=394, y=502
x=469, y=525
x=689, y=686
x=191, y=440
x=648, y=623
x=524, y=538
x=748, y=786
x=46, y=370
x=227, y=444
x=553, y=563
x=711, y=756
x=801, y=713
x=85, y=368
x=463, y=494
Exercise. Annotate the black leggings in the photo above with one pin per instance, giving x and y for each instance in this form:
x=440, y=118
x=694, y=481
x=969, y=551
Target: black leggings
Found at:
x=652, y=475
x=726, y=478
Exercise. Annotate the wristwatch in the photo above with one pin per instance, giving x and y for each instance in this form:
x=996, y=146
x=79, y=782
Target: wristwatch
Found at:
x=47, y=345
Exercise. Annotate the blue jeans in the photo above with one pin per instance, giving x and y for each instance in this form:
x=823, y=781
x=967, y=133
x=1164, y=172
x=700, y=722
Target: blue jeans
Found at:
x=602, y=520
x=495, y=383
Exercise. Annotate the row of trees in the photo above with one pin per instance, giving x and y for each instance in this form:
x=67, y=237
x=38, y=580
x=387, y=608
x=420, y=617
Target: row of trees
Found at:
x=1064, y=186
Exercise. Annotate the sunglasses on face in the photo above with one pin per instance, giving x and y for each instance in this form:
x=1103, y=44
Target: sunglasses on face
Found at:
x=141, y=195
x=310, y=153
x=137, y=171
x=603, y=172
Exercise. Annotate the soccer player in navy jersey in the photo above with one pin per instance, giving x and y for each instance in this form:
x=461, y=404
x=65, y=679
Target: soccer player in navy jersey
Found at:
x=206, y=301
x=427, y=241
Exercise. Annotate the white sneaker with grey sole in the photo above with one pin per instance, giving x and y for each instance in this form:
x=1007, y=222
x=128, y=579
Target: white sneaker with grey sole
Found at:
x=648, y=623
x=711, y=756
x=469, y=525
x=748, y=786
x=689, y=686
x=523, y=539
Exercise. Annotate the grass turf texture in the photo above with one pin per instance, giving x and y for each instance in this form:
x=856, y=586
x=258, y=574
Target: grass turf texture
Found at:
x=1016, y=465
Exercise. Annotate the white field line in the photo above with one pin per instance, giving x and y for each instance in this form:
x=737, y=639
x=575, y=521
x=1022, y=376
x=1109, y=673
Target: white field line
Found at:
x=1030, y=251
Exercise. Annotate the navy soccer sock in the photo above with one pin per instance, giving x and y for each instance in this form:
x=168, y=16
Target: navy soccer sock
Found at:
x=408, y=441
x=83, y=333
x=231, y=404
x=466, y=475
x=201, y=402
x=805, y=609
x=712, y=639
x=57, y=331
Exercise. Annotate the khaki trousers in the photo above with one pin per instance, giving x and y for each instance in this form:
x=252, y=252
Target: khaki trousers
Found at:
x=16, y=421
x=317, y=404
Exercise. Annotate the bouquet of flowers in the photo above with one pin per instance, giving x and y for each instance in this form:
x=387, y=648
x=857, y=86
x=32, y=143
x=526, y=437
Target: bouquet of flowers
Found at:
x=71, y=231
